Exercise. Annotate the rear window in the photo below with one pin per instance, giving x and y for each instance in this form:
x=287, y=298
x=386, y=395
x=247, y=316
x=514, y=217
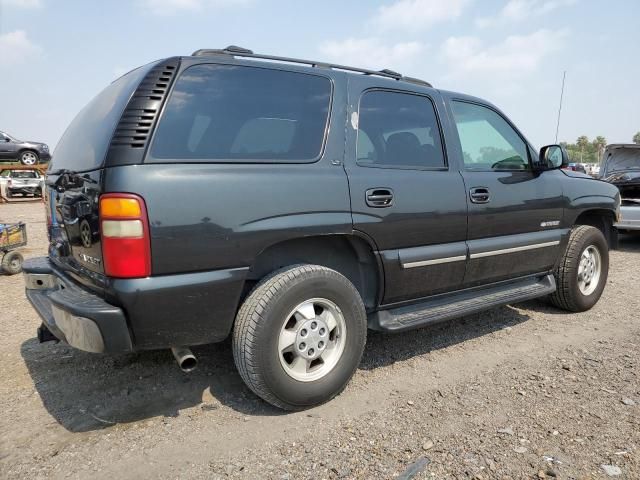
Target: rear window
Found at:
x=24, y=174
x=84, y=144
x=231, y=113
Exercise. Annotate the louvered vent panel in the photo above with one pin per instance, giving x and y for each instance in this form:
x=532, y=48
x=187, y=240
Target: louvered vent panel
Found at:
x=132, y=134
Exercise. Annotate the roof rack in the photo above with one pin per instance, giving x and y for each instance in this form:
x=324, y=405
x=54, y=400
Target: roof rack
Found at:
x=236, y=51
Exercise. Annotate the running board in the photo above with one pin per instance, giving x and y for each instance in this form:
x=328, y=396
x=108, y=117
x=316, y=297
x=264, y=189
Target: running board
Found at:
x=460, y=304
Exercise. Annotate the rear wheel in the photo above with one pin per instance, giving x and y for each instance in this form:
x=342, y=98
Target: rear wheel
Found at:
x=582, y=273
x=12, y=262
x=299, y=336
x=29, y=158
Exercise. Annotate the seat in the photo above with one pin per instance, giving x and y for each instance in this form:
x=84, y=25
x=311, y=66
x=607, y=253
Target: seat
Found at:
x=432, y=156
x=403, y=148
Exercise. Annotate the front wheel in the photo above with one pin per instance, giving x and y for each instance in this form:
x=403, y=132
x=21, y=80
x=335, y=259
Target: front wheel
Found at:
x=583, y=269
x=299, y=336
x=29, y=158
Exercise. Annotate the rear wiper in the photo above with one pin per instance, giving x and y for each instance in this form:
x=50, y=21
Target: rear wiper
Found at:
x=62, y=171
x=65, y=177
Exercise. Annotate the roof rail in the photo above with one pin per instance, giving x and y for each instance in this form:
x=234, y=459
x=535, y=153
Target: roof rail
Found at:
x=235, y=51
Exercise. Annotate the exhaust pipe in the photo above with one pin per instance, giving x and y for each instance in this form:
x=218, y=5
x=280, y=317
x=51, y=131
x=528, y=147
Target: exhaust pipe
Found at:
x=185, y=358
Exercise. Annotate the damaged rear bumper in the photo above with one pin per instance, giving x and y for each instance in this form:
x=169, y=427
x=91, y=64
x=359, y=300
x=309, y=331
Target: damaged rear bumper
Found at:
x=72, y=314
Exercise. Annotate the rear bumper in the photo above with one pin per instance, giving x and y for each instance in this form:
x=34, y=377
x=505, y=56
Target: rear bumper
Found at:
x=74, y=315
x=630, y=218
x=31, y=189
x=138, y=313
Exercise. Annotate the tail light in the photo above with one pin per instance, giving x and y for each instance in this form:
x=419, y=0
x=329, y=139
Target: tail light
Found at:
x=124, y=228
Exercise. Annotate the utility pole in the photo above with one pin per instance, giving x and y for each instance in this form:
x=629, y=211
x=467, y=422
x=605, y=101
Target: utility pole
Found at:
x=564, y=75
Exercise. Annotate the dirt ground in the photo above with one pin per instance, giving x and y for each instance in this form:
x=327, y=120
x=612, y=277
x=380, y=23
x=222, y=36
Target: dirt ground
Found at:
x=522, y=391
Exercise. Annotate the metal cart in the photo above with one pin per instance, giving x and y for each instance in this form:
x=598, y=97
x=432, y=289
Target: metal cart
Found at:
x=12, y=237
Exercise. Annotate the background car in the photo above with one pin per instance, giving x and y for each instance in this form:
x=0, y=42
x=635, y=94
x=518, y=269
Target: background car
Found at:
x=26, y=152
x=24, y=181
x=621, y=167
x=576, y=167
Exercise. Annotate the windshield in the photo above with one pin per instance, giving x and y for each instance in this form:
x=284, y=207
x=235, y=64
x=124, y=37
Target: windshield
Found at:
x=10, y=137
x=623, y=159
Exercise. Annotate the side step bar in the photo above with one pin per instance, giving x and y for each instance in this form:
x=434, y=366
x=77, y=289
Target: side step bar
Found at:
x=458, y=305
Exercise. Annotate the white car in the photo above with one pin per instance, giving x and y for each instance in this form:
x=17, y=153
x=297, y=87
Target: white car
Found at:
x=21, y=181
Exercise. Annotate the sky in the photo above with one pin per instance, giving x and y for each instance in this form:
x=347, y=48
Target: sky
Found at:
x=55, y=55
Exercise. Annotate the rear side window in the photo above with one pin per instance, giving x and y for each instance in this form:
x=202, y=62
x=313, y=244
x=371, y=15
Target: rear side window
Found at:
x=235, y=113
x=398, y=130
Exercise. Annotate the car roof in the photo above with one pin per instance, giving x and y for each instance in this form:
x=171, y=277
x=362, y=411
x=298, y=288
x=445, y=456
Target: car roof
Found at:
x=247, y=56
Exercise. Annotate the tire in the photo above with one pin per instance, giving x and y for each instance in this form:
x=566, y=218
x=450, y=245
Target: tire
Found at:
x=12, y=263
x=570, y=294
x=277, y=304
x=29, y=157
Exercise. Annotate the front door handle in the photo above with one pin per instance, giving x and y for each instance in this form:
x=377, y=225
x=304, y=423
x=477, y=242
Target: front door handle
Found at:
x=479, y=195
x=379, y=197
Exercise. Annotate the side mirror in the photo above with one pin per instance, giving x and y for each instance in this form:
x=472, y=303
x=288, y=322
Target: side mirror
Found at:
x=552, y=156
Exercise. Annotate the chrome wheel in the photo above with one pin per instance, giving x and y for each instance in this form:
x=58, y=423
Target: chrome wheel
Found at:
x=312, y=339
x=29, y=158
x=589, y=270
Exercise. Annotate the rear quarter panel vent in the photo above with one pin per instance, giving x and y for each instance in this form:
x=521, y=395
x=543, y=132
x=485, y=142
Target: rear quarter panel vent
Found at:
x=132, y=134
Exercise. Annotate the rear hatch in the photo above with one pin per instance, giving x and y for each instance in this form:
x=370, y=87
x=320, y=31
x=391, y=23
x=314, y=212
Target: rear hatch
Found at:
x=75, y=182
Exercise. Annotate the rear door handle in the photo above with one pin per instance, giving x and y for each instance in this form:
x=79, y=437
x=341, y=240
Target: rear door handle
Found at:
x=379, y=197
x=479, y=195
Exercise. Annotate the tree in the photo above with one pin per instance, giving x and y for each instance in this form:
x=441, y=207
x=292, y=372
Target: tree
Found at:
x=599, y=143
x=582, y=143
x=636, y=138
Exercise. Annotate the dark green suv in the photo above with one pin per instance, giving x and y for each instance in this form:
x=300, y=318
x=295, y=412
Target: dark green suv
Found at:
x=293, y=204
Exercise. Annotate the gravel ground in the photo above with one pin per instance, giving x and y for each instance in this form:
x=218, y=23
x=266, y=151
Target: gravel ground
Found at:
x=523, y=391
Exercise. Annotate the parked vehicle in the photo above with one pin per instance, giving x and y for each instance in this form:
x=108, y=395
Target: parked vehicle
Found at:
x=12, y=237
x=26, y=152
x=621, y=167
x=292, y=204
x=576, y=167
x=21, y=181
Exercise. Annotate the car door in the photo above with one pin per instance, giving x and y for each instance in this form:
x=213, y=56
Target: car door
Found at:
x=6, y=147
x=515, y=212
x=404, y=194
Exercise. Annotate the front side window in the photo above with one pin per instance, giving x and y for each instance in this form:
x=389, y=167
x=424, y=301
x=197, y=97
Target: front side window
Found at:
x=488, y=141
x=398, y=130
x=232, y=113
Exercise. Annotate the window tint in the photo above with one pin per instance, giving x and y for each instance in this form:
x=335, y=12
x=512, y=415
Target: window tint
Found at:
x=84, y=144
x=236, y=113
x=488, y=141
x=398, y=130
x=366, y=150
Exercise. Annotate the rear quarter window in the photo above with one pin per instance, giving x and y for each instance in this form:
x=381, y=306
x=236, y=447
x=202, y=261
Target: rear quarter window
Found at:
x=230, y=113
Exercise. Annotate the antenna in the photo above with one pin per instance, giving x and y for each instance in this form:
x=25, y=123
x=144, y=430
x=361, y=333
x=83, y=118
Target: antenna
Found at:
x=564, y=75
